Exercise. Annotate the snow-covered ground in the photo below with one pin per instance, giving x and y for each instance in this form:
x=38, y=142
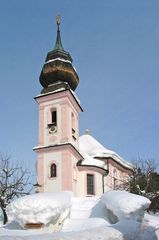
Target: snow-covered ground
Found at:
x=116, y=215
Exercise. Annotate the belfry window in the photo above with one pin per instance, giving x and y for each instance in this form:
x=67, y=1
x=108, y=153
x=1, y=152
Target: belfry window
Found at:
x=53, y=118
x=90, y=184
x=53, y=122
x=53, y=170
x=73, y=126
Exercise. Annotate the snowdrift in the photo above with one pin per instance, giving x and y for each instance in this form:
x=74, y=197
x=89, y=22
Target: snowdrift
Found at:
x=116, y=215
x=124, y=205
x=43, y=208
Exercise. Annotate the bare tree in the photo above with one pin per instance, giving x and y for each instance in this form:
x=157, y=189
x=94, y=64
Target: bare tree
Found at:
x=145, y=169
x=143, y=178
x=14, y=182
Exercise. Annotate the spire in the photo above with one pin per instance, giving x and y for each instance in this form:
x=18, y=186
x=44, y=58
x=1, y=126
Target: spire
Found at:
x=58, y=44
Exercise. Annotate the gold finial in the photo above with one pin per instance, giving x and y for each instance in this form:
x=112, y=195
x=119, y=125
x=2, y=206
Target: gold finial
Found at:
x=58, y=20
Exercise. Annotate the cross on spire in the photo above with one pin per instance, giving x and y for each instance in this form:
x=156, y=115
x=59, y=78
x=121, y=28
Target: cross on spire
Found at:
x=58, y=20
x=58, y=44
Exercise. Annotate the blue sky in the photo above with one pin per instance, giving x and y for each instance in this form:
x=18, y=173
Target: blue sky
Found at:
x=115, y=48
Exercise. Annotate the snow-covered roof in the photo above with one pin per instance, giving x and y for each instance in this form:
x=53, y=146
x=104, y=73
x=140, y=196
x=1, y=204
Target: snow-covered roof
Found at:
x=92, y=148
x=90, y=161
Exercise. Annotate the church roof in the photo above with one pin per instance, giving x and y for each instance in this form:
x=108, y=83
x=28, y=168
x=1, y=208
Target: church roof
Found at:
x=89, y=146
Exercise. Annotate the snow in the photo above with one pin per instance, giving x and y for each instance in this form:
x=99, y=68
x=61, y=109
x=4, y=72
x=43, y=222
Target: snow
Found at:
x=88, y=160
x=125, y=205
x=59, y=59
x=152, y=220
x=93, y=148
x=89, y=218
x=51, y=145
x=62, y=60
x=95, y=234
x=54, y=91
x=88, y=207
x=57, y=90
x=71, y=225
x=39, y=208
x=1, y=218
x=88, y=211
x=74, y=94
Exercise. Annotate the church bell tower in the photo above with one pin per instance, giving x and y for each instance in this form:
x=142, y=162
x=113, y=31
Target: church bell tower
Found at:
x=59, y=108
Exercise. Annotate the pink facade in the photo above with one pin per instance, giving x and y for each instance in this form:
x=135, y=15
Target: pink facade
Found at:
x=118, y=174
x=40, y=170
x=61, y=146
x=67, y=171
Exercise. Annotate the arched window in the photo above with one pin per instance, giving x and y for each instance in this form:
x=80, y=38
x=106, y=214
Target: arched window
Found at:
x=53, y=170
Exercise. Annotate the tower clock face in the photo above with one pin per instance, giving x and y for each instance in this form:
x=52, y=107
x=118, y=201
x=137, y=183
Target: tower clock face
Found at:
x=52, y=129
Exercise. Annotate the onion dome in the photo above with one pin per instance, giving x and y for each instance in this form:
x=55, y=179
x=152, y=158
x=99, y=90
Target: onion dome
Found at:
x=58, y=70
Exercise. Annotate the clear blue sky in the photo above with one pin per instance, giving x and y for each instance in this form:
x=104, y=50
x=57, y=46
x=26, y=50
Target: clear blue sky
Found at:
x=115, y=47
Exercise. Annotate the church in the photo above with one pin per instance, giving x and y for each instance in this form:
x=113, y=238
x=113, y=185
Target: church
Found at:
x=65, y=160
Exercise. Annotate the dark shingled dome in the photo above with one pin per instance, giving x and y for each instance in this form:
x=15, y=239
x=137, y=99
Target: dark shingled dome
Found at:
x=58, y=68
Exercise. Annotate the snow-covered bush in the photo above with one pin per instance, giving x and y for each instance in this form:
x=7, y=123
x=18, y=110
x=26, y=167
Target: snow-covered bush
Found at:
x=42, y=208
x=124, y=205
